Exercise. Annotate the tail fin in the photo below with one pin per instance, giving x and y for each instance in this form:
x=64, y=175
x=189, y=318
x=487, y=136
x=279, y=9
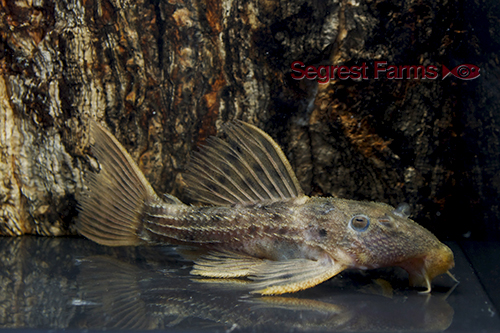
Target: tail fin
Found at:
x=110, y=214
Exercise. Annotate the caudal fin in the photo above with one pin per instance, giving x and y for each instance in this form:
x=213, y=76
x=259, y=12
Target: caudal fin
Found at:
x=110, y=213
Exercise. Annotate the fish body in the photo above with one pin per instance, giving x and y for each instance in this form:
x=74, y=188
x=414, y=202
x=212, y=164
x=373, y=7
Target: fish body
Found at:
x=258, y=222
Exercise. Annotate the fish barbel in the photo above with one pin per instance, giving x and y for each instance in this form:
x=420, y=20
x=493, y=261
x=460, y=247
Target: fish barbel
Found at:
x=257, y=223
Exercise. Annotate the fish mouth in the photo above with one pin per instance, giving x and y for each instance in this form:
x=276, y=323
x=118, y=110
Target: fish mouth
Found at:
x=423, y=269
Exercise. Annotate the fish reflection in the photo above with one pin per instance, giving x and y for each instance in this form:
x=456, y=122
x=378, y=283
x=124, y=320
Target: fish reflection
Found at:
x=120, y=295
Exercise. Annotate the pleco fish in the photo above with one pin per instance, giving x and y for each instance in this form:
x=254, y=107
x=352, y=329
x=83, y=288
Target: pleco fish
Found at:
x=258, y=222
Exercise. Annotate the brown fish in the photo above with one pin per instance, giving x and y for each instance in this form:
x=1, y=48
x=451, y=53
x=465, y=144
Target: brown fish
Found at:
x=259, y=224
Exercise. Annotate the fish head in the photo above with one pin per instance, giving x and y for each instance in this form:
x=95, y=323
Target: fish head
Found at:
x=379, y=235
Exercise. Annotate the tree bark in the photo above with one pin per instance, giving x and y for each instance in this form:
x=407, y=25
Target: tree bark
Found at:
x=165, y=75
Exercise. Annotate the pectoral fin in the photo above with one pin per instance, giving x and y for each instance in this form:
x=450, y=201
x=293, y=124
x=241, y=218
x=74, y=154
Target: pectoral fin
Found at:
x=270, y=277
x=226, y=264
x=279, y=277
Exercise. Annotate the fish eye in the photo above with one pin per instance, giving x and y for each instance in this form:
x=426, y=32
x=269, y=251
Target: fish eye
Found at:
x=359, y=223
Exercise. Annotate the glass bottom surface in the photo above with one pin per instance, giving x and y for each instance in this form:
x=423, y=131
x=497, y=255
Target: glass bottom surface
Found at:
x=75, y=284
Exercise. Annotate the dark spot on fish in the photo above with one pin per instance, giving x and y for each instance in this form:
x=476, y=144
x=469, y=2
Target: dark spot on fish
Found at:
x=257, y=168
x=236, y=147
x=252, y=230
x=276, y=218
x=232, y=158
x=224, y=170
x=150, y=219
x=221, y=179
x=286, y=276
x=250, y=181
x=322, y=233
x=211, y=187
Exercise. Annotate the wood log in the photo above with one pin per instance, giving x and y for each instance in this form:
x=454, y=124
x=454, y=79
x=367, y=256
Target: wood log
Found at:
x=165, y=75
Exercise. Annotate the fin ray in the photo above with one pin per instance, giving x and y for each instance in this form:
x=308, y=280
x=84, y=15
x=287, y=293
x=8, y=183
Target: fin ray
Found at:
x=229, y=192
x=212, y=156
x=113, y=287
x=253, y=144
x=248, y=167
x=225, y=264
x=110, y=211
x=279, y=277
x=269, y=277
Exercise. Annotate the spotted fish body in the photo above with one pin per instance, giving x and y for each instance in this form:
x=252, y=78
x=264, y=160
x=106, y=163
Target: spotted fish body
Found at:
x=258, y=223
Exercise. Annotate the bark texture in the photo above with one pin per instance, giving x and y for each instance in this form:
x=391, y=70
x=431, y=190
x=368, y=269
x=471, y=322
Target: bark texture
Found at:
x=164, y=75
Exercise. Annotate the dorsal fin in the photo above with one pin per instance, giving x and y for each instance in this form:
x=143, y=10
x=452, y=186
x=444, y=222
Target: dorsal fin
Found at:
x=248, y=167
